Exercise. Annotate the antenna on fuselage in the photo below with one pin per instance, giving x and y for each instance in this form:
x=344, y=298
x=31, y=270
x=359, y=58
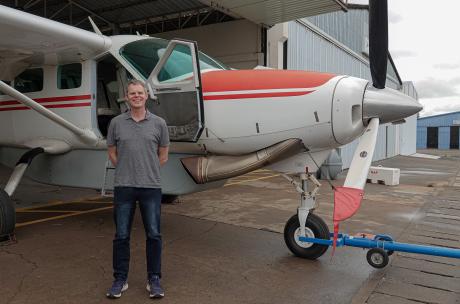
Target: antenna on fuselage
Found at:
x=95, y=28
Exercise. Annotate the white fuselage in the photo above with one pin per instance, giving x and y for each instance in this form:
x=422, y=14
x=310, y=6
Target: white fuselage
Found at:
x=244, y=111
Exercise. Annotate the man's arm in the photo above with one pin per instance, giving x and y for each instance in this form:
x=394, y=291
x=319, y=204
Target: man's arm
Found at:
x=163, y=154
x=113, y=155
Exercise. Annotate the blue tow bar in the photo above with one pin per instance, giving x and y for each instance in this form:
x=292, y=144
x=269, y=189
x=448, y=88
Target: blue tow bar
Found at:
x=386, y=243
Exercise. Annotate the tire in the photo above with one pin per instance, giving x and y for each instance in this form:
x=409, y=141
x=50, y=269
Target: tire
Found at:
x=7, y=215
x=168, y=199
x=315, y=227
x=377, y=258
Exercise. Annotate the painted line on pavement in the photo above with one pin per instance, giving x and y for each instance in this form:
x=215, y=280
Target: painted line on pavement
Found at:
x=251, y=180
x=62, y=216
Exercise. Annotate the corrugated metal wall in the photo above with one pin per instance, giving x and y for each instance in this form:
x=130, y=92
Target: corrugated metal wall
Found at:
x=444, y=138
x=421, y=137
x=349, y=28
x=443, y=122
x=308, y=50
x=333, y=43
x=407, y=131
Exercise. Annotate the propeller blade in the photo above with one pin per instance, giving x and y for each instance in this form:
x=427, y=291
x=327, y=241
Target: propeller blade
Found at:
x=359, y=168
x=378, y=41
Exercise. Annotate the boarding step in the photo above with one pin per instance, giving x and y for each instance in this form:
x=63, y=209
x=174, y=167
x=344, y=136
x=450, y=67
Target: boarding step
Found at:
x=384, y=175
x=107, y=185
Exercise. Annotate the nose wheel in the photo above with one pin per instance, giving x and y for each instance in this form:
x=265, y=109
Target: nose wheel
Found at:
x=315, y=227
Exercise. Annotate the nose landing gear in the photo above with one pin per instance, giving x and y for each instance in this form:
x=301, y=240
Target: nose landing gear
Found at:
x=314, y=228
x=305, y=224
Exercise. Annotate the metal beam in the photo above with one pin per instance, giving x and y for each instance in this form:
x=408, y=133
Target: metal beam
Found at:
x=125, y=4
x=31, y=3
x=205, y=17
x=186, y=21
x=168, y=17
x=343, y=4
x=91, y=12
x=81, y=21
x=213, y=5
x=98, y=12
x=59, y=10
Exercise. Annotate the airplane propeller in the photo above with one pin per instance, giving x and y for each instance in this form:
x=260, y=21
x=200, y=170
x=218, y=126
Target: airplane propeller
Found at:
x=380, y=105
x=378, y=59
x=378, y=41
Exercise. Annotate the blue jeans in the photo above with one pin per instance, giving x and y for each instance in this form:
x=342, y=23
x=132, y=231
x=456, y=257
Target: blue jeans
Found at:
x=125, y=199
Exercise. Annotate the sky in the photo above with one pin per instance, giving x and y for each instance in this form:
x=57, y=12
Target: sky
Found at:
x=425, y=46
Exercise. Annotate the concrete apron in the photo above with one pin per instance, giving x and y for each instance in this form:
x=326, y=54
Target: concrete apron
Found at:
x=225, y=245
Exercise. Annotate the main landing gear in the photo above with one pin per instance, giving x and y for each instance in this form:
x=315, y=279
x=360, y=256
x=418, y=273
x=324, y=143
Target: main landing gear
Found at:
x=7, y=210
x=7, y=215
x=305, y=223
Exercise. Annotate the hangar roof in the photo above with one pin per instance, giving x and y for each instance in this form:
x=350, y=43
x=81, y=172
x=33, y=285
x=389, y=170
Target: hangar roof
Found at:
x=153, y=16
x=270, y=12
x=439, y=115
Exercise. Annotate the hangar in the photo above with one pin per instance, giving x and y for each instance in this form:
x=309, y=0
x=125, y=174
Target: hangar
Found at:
x=321, y=35
x=232, y=31
x=438, y=131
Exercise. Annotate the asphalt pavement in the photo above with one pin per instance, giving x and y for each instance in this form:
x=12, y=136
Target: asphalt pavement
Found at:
x=226, y=245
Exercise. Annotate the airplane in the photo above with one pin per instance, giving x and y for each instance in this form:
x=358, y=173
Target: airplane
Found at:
x=62, y=85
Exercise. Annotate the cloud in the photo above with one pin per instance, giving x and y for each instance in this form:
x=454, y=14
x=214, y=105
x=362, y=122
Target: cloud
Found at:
x=454, y=81
x=446, y=66
x=402, y=53
x=434, y=106
x=394, y=17
x=432, y=88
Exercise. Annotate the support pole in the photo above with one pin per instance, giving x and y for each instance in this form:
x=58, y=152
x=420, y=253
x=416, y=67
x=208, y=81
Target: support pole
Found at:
x=85, y=135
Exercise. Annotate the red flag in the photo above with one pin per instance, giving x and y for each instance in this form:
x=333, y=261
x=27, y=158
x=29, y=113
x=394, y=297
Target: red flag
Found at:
x=346, y=202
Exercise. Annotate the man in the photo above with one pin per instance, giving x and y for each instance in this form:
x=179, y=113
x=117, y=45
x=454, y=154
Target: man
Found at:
x=137, y=145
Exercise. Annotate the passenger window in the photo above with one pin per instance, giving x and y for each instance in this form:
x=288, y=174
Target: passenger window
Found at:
x=30, y=80
x=69, y=76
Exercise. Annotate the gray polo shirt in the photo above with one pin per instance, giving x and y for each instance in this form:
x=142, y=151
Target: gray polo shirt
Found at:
x=137, y=149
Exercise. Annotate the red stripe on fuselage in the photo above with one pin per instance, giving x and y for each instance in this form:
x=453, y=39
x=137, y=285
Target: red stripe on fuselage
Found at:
x=69, y=105
x=255, y=95
x=48, y=99
x=245, y=80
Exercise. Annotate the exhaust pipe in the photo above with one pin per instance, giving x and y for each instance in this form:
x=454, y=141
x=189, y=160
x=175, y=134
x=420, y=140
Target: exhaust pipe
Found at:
x=205, y=169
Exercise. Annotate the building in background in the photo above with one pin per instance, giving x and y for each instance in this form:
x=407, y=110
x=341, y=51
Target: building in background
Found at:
x=438, y=131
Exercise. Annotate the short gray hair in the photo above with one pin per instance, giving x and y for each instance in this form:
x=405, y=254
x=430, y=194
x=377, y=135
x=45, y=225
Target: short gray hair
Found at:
x=136, y=82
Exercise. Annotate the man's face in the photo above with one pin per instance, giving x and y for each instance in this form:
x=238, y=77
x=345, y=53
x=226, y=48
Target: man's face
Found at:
x=136, y=96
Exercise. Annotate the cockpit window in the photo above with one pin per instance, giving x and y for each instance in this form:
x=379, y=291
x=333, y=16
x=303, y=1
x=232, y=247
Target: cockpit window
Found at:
x=145, y=54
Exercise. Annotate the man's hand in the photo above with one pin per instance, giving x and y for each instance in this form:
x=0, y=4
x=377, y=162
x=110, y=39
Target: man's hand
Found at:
x=163, y=155
x=113, y=155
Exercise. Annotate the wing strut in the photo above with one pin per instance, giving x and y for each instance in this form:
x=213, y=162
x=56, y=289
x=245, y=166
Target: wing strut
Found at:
x=86, y=135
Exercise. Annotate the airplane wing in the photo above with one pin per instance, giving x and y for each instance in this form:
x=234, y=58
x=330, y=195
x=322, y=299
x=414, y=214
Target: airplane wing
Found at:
x=30, y=39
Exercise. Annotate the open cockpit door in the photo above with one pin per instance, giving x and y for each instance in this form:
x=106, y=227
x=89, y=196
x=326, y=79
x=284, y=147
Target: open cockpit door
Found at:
x=175, y=87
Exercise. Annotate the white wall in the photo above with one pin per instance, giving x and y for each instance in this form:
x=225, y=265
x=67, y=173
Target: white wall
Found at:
x=408, y=136
x=234, y=43
x=276, y=36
